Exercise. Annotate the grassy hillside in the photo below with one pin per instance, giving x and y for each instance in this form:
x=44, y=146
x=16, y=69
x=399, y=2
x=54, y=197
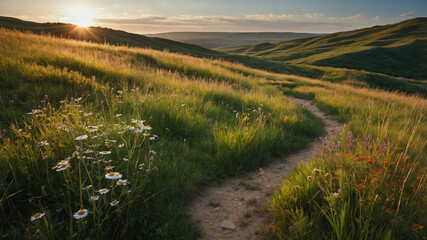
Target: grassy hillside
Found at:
x=115, y=37
x=230, y=39
x=84, y=103
x=101, y=35
x=397, y=49
x=76, y=115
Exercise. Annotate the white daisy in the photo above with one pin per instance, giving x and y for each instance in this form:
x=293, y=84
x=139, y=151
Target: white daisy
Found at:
x=87, y=187
x=114, y=203
x=109, y=167
x=34, y=111
x=121, y=182
x=37, y=216
x=113, y=175
x=121, y=145
x=103, y=191
x=43, y=143
x=94, y=198
x=125, y=159
x=81, y=214
x=82, y=137
x=105, y=152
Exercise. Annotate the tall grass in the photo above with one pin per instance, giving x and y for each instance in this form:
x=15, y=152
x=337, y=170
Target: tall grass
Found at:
x=368, y=182
x=207, y=121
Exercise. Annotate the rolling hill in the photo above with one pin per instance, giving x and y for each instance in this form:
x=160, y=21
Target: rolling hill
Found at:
x=398, y=50
x=252, y=60
x=107, y=35
x=230, y=39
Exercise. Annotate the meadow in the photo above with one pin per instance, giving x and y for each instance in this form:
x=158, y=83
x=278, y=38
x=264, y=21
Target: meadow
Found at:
x=78, y=116
x=84, y=115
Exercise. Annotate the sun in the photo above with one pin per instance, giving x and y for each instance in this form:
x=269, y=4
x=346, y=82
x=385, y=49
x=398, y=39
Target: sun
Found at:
x=80, y=16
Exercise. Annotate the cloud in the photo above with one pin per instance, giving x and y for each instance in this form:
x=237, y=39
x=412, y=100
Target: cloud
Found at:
x=409, y=14
x=313, y=15
x=376, y=18
x=269, y=17
x=357, y=16
x=306, y=22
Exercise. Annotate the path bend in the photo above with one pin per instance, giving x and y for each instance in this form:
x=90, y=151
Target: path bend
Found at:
x=242, y=201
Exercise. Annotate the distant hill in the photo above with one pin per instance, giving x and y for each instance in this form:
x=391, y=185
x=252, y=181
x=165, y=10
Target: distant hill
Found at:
x=397, y=49
x=229, y=39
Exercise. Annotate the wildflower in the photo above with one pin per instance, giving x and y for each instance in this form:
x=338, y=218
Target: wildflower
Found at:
x=131, y=128
x=88, y=151
x=121, y=145
x=134, y=121
x=87, y=187
x=125, y=159
x=79, y=138
x=152, y=138
x=118, y=115
x=80, y=214
x=103, y=191
x=152, y=155
x=113, y=175
x=114, y=203
x=146, y=128
x=384, y=148
x=336, y=194
x=105, y=152
x=109, y=167
x=94, y=198
x=121, y=182
x=61, y=167
x=309, y=178
x=119, y=92
x=350, y=136
x=414, y=225
x=43, y=143
x=37, y=216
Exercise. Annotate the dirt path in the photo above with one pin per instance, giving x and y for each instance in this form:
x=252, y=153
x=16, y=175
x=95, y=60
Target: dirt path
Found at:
x=242, y=201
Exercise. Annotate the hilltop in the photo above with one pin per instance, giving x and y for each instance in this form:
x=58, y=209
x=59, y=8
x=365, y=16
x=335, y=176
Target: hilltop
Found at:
x=398, y=50
x=230, y=39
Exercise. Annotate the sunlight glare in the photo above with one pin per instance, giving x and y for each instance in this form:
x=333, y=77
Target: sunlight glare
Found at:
x=80, y=16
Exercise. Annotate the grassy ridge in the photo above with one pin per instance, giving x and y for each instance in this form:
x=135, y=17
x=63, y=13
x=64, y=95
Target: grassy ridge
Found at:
x=207, y=119
x=229, y=39
x=395, y=49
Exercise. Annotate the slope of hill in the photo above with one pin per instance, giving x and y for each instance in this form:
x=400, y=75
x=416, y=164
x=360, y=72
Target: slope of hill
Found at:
x=77, y=116
x=397, y=49
x=101, y=35
x=116, y=37
x=230, y=39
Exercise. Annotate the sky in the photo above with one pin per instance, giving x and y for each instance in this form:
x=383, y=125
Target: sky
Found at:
x=145, y=16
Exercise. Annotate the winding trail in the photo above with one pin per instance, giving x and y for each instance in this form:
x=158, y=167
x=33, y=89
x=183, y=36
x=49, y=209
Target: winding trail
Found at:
x=243, y=201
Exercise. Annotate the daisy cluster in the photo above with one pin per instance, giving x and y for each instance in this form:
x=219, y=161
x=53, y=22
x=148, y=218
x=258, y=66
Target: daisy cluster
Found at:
x=96, y=149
